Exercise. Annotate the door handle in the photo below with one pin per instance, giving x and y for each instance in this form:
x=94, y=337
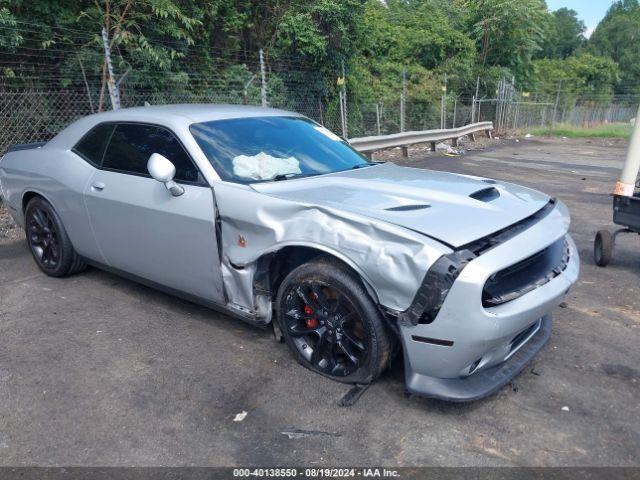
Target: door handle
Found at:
x=97, y=186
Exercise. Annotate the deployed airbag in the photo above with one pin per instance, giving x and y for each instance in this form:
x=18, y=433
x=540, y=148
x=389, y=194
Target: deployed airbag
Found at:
x=264, y=167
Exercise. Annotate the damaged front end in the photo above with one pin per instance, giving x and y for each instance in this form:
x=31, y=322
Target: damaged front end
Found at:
x=261, y=233
x=455, y=346
x=491, y=311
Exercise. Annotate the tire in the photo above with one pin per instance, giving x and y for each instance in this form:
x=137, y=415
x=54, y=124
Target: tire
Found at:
x=48, y=240
x=327, y=340
x=603, y=248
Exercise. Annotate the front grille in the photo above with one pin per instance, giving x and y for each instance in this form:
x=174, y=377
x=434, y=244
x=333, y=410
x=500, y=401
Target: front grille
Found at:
x=526, y=275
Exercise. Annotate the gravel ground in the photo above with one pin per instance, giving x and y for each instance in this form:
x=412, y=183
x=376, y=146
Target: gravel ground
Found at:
x=97, y=370
x=8, y=228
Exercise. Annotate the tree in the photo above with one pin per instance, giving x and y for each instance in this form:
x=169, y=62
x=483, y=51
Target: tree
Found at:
x=508, y=33
x=564, y=34
x=618, y=36
x=581, y=74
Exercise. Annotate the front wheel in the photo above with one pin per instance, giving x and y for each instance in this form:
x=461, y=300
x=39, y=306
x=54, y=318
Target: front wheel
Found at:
x=331, y=324
x=603, y=248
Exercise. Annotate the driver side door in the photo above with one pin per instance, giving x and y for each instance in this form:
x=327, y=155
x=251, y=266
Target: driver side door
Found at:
x=143, y=230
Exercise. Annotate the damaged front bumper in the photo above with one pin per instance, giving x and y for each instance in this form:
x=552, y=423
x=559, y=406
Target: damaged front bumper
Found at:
x=472, y=348
x=486, y=381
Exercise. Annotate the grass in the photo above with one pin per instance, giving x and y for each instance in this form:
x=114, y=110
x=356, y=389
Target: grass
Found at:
x=605, y=130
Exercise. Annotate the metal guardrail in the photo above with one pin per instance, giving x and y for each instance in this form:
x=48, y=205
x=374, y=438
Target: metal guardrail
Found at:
x=404, y=139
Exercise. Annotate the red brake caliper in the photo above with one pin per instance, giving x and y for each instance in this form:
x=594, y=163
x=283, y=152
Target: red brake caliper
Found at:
x=310, y=322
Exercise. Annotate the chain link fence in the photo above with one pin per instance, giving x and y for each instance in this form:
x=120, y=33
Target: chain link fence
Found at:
x=31, y=114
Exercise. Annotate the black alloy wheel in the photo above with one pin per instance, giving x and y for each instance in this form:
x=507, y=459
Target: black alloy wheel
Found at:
x=331, y=324
x=43, y=238
x=48, y=240
x=326, y=328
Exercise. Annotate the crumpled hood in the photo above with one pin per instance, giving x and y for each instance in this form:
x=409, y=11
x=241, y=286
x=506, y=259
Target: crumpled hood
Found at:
x=455, y=209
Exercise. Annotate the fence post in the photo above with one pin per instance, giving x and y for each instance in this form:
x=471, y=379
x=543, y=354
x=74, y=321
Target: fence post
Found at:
x=475, y=97
x=443, y=108
x=403, y=95
x=114, y=93
x=455, y=108
x=378, y=117
x=344, y=100
x=555, y=107
x=263, y=86
x=343, y=119
x=473, y=110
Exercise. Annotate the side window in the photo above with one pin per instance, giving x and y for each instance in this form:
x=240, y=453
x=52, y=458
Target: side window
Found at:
x=131, y=146
x=91, y=146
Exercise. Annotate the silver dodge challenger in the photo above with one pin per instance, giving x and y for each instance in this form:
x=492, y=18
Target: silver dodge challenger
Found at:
x=267, y=216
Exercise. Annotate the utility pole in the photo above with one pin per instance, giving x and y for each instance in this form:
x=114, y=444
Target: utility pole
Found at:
x=403, y=96
x=263, y=86
x=114, y=92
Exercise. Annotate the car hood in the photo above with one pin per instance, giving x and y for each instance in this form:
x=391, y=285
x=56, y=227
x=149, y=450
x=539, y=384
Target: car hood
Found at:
x=455, y=209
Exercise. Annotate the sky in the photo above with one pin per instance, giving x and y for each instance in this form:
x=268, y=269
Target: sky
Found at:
x=589, y=11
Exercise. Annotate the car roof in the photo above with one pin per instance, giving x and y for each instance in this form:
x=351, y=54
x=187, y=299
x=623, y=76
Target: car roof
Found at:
x=191, y=112
x=171, y=116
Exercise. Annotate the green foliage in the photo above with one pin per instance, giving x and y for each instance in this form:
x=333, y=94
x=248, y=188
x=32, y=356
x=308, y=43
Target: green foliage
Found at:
x=192, y=46
x=10, y=37
x=564, y=34
x=508, y=33
x=581, y=74
x=609, y=130
x=618, y=36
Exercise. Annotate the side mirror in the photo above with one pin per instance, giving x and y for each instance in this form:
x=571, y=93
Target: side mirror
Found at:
x=161, y=169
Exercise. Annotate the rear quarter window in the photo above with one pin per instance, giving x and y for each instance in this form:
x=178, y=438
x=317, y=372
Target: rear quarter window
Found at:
x=92, y=146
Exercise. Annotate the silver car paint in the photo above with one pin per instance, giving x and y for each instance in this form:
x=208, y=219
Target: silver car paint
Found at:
x=452, y=215
x=343, y=214
x=154, y=235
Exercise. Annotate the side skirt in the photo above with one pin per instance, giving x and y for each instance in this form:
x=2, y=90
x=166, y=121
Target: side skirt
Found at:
x=244, y=316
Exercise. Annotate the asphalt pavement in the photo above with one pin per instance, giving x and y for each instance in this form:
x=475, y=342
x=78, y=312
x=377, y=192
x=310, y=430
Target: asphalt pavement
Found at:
x=97, y=370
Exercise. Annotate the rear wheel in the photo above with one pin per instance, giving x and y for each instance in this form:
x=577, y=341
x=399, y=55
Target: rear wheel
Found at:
x=48, y=240
x=603, y=248
x=331, y=324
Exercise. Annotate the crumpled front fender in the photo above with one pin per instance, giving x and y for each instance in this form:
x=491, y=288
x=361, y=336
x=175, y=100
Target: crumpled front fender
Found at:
x=392, y=260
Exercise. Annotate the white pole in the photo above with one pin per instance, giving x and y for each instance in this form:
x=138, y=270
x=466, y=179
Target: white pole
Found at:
x=114, y=92
x=626, y=185
x=263, y=87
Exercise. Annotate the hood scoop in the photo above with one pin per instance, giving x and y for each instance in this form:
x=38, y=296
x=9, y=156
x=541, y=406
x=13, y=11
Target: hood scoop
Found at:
x=486, y=194
x=407, y=208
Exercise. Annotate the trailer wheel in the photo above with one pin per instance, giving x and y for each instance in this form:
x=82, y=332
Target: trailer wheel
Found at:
x=603, y=248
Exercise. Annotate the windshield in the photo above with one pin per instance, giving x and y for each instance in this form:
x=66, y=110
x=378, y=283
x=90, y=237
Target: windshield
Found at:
x=247, y=150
